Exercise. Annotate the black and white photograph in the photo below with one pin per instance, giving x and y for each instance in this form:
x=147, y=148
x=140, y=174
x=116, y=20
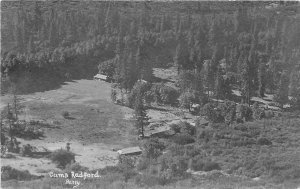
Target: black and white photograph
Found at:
x=150, y=94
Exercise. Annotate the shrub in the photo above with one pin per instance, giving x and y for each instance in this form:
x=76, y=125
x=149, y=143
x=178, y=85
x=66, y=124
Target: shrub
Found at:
x=209, y=166
x=27, y=130
x=186, y=80
x=151, y=180
x=75, y=167
x=244, y=112
x=153, y=148
x=197, y=164
x=139, y=89
x=143, y=163
x=126, y=166
x=175, y=128
x=27, y=150
x=108, y=67
x=109, y=170
x=263, y=141
x=65, y=114
x=212, y=112
x=3, y=138
x=168, y=94
x=113, y=95
x=9, y=173
x=183, y=139
x=186, y=98
x=62, y=157
x=186, y=128
x=258, y=113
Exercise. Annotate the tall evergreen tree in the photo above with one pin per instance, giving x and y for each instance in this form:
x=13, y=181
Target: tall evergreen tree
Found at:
x=141, y=119
x=31, y=47
x=262, y=77
x=245, y=77
x=37, y=17
x=19, y=37
x=53, y=33
x=282, y=93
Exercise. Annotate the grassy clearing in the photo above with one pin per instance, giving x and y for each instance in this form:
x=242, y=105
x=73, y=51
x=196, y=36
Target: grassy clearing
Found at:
x=94, y=122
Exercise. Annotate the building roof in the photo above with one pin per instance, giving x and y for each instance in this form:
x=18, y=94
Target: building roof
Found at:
x=100, y=76
x=130, y=150
x=158, y=130
x=203, y=121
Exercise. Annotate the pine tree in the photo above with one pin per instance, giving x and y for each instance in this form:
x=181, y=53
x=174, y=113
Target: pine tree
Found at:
x=53, y=35
x=138, y=63
x=245, y=76
x=181, y=57
x=140, y=115
x=19, y=37
x=262, y=78
x=31, y=48
x=219, y=85
x=282, y=93
x=37, y=17
x=107, y=22
x=241, y=20
x=294, y=89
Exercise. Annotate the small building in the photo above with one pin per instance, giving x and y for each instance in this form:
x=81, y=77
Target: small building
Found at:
x=130, y=151
x=195, y=108
x=101, y=77
x=163, y=131
x=203, y=122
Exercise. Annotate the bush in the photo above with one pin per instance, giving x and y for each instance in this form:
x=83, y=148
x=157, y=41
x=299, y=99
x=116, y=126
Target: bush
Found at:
x=175, y=128
x=76, y=167
x=153, y=148
x=186, y=98
x=187, y=128
x=126, y=166
x=139, y=88
x=161, y=93
x=27, y=150
x=65, y=114
x=211, y=111
x=198, y=164
x=151, y=180
x=184, y=128
x=27, y=130
x=62, y=157
x=263, y=141
x=9, y=173
x=168, y=95
x=258, y=113
x=143, y=163
x=183, y=139
x=244, y=112
x=209, y=166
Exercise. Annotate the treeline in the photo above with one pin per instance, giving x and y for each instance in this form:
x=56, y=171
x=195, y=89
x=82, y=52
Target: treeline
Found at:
x=250, y=47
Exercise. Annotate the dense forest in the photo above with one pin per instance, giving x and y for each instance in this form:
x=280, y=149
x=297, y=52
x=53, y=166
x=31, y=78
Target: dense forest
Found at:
x=215, y=46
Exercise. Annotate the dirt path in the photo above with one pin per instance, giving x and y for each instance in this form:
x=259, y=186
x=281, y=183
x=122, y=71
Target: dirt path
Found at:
x=94, y=128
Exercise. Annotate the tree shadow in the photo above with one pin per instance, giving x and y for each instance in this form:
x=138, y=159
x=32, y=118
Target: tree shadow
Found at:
x=157, y=108
x=69, y=117
x=159, y=80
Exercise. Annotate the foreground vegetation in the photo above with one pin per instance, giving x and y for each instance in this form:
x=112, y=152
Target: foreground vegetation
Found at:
x=230, y=156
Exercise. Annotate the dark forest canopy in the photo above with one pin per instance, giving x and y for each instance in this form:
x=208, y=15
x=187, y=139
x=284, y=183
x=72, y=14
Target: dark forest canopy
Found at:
x=256, y=42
